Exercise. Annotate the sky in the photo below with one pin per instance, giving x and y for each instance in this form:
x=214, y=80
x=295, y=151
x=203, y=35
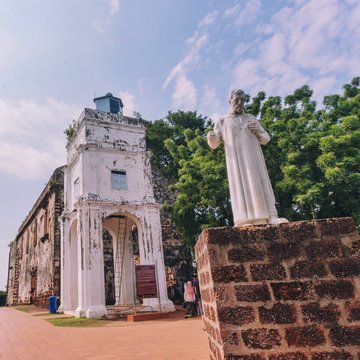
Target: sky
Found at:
x=156, y=55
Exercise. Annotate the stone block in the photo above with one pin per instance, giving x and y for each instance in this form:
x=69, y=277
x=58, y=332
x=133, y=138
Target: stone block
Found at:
x=278, y=314
x=323, y=249
x=230, y=337
x=253, y=356
x=262, y=338
x=292, y=290
x=226, y=274
x=315, y=313
x=288, y=356
x=283, y=251
x=305, y=336
x=298, y=231
x=335, y=355
x=307, y=269
x=245, y=254
x=336, y=226
x=252, y=293
x=237, y=315
x=345, y=267
x=333, y=289
x=345, y=335
x=270, y=271
x=353, y=311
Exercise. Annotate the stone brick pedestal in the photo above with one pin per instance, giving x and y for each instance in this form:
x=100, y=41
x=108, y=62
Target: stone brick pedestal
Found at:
x=288, y=292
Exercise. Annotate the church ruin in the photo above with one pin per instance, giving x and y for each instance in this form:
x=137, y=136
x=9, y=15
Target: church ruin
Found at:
x=95, y=220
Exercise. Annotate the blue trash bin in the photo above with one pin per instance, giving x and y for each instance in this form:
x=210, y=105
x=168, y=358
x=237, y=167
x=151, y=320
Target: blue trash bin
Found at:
x=52, y=304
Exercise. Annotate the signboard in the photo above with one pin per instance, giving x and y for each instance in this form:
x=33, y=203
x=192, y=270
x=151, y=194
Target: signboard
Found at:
x=146, y=281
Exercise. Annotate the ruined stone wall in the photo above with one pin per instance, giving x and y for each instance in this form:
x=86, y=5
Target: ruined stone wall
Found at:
x=13, y=274
x=176, y=254
x=282, y=293
x=34, y=261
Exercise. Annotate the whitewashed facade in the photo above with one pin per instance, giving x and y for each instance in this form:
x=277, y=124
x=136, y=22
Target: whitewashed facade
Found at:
x=108, y=188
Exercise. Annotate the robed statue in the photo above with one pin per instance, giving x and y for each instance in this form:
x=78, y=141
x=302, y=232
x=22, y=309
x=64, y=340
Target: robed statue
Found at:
x=251, y=193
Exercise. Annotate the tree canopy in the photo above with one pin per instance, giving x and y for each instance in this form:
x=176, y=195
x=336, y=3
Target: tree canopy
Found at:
x=313, y=159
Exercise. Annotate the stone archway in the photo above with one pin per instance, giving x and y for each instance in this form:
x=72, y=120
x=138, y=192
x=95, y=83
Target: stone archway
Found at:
x=120, y=246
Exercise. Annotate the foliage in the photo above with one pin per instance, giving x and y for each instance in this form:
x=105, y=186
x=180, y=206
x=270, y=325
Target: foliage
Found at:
x=202, y=187
x=171, y=127
x=71, y=130
x=3, y=296
x=197, y=175
x=313, y=159
x=137, y=115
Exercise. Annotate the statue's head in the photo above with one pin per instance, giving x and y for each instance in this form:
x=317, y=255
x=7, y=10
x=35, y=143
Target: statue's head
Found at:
x=236, y=100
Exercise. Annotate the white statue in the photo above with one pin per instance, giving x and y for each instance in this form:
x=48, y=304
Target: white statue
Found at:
x=251, y=194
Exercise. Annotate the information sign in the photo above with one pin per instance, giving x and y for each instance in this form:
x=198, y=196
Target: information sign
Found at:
x=146, y=281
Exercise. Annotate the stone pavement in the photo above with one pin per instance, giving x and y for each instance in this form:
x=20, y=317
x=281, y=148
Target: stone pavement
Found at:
x=25, y=336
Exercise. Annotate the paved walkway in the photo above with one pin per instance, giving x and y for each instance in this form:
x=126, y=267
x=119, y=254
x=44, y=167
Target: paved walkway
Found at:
x=25, y=336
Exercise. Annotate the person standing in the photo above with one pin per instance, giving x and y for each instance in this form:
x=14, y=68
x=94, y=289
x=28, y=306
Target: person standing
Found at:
x=198, y=304
x=189, y=299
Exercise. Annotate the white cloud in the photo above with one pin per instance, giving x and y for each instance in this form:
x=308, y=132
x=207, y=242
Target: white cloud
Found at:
x=273, y=50
x=321, y=86
x=176, y=71
x=241, y=48
x=128, y=100
x=309, y=41
x=245, y=14
x=32, y=142
x=184, y=96
x=209, y=101
x=28, y=162
x=102, y=24
x=231, y=11
x=247, y=75
x=196, y=42
x=208, y=19
x=114, y=7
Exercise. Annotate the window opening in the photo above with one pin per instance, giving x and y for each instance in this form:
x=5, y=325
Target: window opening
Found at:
x=118, y=179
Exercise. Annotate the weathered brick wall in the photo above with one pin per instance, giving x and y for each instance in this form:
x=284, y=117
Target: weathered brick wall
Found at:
x=176, y=254
x=282, y=293
x=13, y=274
x=34, y=259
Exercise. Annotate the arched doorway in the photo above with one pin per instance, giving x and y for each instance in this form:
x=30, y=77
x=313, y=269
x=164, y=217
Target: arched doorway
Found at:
x=121, y=253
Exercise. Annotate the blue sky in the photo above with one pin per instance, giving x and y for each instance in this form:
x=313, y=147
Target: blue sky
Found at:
x=157, y=55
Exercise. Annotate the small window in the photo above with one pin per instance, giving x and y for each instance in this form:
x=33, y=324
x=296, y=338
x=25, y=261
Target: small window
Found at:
x=118, y=180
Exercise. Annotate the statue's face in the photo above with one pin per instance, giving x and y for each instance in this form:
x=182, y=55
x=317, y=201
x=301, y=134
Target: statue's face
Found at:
x=237, y=105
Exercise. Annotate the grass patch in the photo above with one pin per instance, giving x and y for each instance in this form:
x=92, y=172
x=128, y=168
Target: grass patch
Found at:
x=78, y=322
x=26, y=309
x=48, y=314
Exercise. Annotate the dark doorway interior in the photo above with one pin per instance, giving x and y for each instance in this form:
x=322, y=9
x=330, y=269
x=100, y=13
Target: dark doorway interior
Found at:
x=109, y=268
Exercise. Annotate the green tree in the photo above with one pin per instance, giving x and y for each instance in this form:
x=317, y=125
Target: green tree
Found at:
x=313, y=159
x=197, y=176
x=339, y=160
x=202, y=189
x=171, y=127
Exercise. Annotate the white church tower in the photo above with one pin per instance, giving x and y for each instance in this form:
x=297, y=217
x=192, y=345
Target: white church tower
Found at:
x=111, y=220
